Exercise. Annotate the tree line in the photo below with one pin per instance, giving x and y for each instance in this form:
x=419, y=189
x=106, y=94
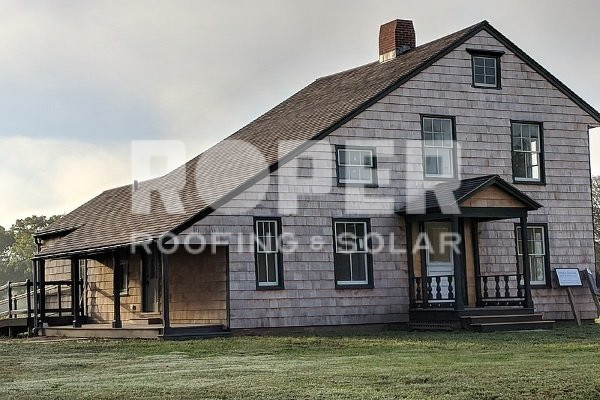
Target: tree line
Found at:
x=17, y=247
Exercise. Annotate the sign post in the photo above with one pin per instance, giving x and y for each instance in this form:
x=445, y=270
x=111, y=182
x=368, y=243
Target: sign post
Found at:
x=569, y=278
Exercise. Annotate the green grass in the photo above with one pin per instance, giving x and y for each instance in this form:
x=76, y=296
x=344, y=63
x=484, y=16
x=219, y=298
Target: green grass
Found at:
x=560, y=364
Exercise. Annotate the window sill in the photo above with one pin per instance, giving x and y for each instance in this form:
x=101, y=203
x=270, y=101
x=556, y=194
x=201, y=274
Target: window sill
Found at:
x=365, y=185
x=267, y=288
x=486, y=87
x=538, y=183
x=357, y=286
x=440, y=178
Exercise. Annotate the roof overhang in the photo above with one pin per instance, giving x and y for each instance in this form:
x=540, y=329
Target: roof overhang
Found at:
x=457, y=198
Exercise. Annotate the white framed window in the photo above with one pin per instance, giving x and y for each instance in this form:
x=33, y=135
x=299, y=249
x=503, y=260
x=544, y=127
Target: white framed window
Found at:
x=485, y=71
x=82, y=269
x=527, y=152
x=356, y=165
x=438, y=147
x=538, y=253
x=268, y=255
x=124, y=277
x=351, y=258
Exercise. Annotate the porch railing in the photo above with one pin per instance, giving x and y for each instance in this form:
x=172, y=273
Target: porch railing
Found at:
x=501, y=290
x=17, y=298
x=433, y=291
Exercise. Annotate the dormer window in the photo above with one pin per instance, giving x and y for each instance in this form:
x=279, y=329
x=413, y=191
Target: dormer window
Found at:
x=486, y=68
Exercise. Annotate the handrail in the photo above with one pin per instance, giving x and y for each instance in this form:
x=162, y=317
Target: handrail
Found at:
x=50, y=288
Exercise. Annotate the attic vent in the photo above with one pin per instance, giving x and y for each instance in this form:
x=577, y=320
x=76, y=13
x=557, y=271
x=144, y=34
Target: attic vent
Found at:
x=396, y=37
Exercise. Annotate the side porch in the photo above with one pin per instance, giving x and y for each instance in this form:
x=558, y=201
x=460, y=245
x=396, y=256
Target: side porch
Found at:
x=119, y=293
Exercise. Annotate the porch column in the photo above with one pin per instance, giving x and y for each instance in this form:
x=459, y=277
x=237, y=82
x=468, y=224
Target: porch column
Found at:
x=42, y=288
x=75, y=292
x=424, y=277
x=477, y=265
x=117, y=284
x=528, y=303
x=409, y=259
x=34, y=265
x=458, y=268
x=164, y=261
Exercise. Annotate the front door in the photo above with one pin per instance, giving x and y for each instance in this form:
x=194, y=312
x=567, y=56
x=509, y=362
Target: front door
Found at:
x=150, y=278
x=440, y=261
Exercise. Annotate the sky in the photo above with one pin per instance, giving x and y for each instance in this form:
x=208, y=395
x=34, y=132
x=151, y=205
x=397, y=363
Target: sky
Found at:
x=80, y=80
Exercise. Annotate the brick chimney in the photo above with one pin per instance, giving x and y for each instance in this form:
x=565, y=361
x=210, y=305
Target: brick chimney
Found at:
x=396, y=37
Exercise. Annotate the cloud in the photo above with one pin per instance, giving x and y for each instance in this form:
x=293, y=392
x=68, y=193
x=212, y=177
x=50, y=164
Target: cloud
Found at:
x=48, y=176
x=80, y=80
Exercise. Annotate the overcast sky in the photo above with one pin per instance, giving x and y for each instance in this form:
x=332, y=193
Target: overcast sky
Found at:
x=80, y=80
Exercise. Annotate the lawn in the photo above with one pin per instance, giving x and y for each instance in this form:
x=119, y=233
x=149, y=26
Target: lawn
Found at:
x=560, y=364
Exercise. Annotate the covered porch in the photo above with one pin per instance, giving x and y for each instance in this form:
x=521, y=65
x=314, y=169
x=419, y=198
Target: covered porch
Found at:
x=120, y=293
x=447, y=281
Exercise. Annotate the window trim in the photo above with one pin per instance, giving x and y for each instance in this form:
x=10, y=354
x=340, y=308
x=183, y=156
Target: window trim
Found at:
x=369, y=284
x=454, y=150
x=547, y=266
x=488, y=54
x=280, y=281
x=374, y=181
x=124, y=264
x=542, y=154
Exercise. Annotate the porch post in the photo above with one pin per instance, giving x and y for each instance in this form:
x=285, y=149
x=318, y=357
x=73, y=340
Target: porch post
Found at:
x=409, y=259
x=75, y=292
x=34, y=265
x=165, y=289
x=458, y=268
x=42, y=288
x=475, y=245
x=528, y=303
x=424, y=277
x=117, y=284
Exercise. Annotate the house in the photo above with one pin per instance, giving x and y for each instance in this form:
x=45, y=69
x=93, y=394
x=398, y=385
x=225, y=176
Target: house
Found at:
x=397, y=192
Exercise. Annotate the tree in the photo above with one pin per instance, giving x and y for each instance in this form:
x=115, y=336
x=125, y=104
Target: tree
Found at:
x=596, y=217
x=15, y=257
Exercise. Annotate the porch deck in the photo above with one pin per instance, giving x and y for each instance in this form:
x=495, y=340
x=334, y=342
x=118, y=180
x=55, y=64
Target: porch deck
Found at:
x=137, y=331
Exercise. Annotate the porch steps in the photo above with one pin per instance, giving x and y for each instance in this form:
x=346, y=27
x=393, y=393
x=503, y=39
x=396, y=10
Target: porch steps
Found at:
x=506, y=322
x=195, y=332
x=103, y=332
x=482, y=319
x=513, y=326
x=148, y=319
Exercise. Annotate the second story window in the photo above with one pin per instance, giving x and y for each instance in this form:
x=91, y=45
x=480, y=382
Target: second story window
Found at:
x=356, y=166
x=438, y=147
x=527, y=152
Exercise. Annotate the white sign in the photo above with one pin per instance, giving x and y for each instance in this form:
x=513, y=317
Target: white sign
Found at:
x=568, y=277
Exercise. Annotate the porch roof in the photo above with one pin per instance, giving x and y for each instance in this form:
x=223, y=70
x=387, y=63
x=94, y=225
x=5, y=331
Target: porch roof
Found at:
x=450, y=198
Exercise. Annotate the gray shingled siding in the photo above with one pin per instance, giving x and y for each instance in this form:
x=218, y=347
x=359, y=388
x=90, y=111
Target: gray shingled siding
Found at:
x=483, y=129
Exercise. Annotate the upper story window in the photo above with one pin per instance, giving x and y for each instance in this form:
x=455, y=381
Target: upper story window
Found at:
x=486, y=68
x=438, y=147
x=527, y=152
x=269, y=269
x=352, y=261
x=356, y=166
